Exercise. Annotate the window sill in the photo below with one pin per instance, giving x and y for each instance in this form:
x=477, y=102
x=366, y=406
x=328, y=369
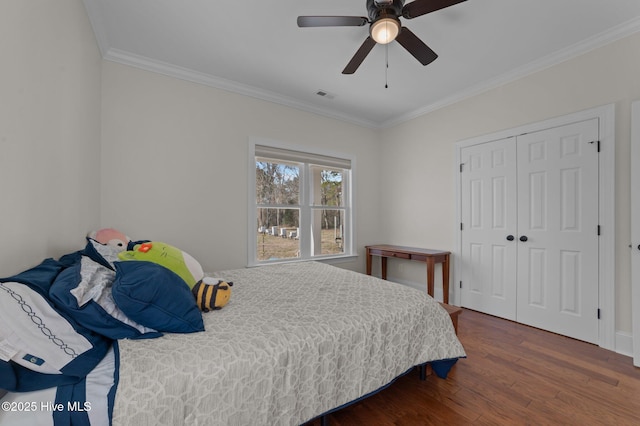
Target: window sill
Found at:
x=324, y=259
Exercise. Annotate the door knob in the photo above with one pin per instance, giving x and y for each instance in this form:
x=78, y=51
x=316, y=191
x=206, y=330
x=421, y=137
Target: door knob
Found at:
x=523, y=238
x=510, y=238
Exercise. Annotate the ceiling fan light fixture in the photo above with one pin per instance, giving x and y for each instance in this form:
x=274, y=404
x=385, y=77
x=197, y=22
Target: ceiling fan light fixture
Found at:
x=385, y=30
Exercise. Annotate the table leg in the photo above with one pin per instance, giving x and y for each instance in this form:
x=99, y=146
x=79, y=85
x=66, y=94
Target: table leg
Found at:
x=430, y=276
x=383, y=260
x=445, y=279
x=368, y=262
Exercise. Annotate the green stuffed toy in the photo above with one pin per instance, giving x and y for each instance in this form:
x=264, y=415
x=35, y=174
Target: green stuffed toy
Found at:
x=210, y=293
x=172, y=258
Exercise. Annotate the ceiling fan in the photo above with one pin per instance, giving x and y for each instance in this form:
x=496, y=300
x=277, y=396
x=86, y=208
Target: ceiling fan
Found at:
x=384, y=20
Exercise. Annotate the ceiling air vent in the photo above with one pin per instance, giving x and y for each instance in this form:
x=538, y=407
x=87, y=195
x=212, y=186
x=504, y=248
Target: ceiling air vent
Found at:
x=324, y=94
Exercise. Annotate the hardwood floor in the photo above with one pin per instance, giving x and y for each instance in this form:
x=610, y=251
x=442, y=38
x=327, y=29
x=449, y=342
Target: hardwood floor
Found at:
x=513, y=375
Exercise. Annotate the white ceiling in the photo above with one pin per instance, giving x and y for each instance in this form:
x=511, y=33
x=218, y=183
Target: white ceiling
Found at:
x=255, y=47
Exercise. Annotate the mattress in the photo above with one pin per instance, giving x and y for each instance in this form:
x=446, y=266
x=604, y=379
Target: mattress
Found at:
x=295, y=341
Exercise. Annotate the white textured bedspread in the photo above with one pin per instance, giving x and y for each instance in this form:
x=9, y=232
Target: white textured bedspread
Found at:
x=295, y=341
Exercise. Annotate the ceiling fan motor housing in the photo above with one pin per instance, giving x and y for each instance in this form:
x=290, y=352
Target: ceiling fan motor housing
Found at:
x=378, y=8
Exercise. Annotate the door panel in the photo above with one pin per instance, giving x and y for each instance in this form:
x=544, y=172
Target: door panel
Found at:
x=558, y=213
x=489, y=216
x=537, y=263
x=570, y=267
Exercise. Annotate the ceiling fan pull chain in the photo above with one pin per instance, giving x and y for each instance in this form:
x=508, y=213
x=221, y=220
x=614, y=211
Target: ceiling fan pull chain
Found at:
x=386, y=68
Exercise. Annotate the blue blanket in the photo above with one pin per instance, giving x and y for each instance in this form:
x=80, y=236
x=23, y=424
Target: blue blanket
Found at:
x=60, y=323
x=35, y=331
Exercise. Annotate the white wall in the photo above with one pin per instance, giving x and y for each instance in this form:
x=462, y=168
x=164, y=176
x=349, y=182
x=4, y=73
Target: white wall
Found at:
x=175, y=158
x=421, y=152
x=174, y=153
x=49, y=130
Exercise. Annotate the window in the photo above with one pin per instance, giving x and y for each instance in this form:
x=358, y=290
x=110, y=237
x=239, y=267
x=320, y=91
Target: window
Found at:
x=300, y=205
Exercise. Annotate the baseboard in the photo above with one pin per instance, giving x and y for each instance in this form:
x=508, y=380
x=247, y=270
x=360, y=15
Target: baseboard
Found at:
x=437, y=291
x=623, y=339
x=624, y=343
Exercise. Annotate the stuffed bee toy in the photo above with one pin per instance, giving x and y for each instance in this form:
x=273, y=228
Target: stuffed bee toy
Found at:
x=211, y=293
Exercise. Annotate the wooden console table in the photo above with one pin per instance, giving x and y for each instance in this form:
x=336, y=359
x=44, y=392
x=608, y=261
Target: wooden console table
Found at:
x=430, y=257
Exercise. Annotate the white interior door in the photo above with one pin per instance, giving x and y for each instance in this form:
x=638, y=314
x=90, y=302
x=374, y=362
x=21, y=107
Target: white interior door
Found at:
x=558, y=230
x=488, y=194
x=635, y=229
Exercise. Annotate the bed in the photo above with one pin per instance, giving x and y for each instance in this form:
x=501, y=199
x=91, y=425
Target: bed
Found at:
x=295, y=341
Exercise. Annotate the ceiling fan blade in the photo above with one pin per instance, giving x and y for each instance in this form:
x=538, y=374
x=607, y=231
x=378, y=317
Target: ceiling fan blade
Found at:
x=332, y=21
x=357, y=59
x=422, y=7
x=416, y=47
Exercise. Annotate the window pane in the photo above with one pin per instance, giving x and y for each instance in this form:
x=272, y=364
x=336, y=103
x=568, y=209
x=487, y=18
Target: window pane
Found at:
x=328, y=231
x=294, y=188
x=278, y=234
x=328, y=184
x=277, y=183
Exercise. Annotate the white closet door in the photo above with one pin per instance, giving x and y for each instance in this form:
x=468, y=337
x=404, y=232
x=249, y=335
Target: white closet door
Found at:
x=558, y=221
x=488, y=193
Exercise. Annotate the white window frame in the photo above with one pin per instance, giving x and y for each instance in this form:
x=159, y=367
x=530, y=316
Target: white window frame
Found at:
x=305, y=156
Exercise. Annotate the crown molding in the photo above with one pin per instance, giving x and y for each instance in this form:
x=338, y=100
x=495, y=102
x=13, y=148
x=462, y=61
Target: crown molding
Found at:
x=159, y=67
x=616, y=33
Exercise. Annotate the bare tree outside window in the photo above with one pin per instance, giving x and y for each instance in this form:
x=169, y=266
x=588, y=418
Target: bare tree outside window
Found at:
x=331, y=220
x=277, y=186
x=300, y=206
